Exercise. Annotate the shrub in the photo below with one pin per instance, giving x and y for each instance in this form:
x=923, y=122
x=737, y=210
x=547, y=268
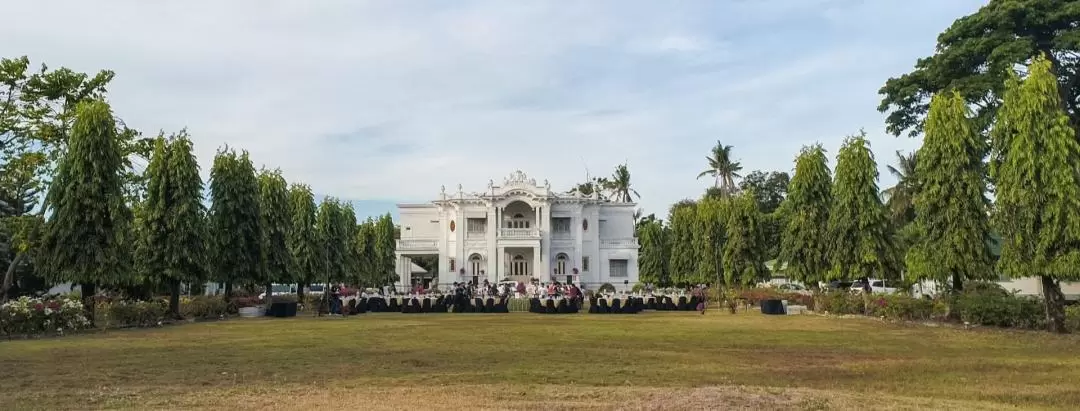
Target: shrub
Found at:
x=1072, y=318
x=31, y=316
x=637, y=288
x=606, y=288
x=136, y=313
x=203, y=307
x=994, y=307
x=901, y=307
x=839, y=302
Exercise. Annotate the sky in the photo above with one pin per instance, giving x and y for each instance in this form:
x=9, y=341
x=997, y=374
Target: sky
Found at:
x=380, y=102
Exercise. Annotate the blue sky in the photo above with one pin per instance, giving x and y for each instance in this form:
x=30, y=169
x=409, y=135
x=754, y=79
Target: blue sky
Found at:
x=385, y=101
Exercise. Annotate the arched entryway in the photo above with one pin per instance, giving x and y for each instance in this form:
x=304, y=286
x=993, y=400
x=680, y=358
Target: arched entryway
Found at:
x=476, y=267
x=561, y=262
x=519, y=265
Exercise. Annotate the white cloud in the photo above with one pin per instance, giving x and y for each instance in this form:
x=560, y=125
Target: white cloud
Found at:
x=390, y=100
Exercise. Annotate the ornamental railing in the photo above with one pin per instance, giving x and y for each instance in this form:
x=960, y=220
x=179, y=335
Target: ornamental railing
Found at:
x=618, y=243
x=519, y=233
x=417, y=244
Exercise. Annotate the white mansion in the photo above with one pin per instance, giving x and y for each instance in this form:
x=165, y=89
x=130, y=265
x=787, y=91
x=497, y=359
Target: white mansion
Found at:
x=519, y=231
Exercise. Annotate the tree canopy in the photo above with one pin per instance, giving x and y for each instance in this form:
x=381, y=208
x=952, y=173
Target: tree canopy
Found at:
x=1035, y=165
x=951, y=208
x=975, y=53
x=861, y=236
x=805, y=241
x=235, y=220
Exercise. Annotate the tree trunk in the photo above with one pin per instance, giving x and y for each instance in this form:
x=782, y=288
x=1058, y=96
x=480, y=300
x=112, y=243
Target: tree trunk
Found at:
x=228, y=291
x=88, y=292
x=9, y=276
x=957, y=283
x=269, y=295
x=174, y=299
x=300, y=292
x=1055, y=305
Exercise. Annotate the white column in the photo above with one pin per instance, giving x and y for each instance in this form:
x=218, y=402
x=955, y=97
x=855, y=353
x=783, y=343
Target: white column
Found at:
x=492, y=258
x=536, y=263
x=499, y=268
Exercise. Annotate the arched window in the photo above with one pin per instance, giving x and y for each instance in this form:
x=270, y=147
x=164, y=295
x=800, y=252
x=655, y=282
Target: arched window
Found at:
x=560, y=264
x=518, y=266
x=476, y=264
x=518, y=221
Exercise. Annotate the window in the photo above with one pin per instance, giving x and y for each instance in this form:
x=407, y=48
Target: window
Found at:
x=518, y=266
x=451, y=265
x=585, y=263
x=476, y=225
x=518, y=221
x=618, y=268
x=475, y=264
x=560, y=264
x=560, y=225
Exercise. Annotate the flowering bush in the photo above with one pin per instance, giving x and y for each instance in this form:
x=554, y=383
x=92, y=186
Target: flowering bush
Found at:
x=993, y=306
x=136, y=313
x=839, y=302
x=203, y=307
x=28, y=316
x=901, y=307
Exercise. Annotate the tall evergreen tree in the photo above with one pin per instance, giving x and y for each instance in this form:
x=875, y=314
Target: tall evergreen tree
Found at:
x=1035, y=165
x=302, y=238
x=172, y=233
x=710, y=219
x=383, y=250
x=744, y=249
x=861, y=236
x=332, y=242
x=84, y=240
x=951, y=209
x=805, y=242
x=684, y=256
x=652, y=252
x=274, y=224
x=352, y=254
x=235, y=220
x=364, y=244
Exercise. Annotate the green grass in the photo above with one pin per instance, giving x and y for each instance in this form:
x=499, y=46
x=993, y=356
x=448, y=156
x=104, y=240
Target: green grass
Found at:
x=451, y=361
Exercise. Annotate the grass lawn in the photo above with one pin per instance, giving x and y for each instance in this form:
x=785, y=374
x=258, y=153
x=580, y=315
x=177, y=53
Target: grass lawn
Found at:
x=499, y=361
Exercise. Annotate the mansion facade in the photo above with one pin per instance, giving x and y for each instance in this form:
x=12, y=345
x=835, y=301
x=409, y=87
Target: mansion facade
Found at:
x=519, y=231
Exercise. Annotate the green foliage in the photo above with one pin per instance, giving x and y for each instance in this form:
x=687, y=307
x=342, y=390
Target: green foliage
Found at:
x=302, y=238
x=684, y=256
x=619, y=185
x=744, y=248
x=992, y=306
x=900, y=307
x=274, y=223
x=172, y=221
x=710, y=219
x=331, y=232
x=973, y=55
x=364, y=248
x=203, y=307
x=862, y=242
x=235, y=219
x=1035, y=164
x=900, y=198
x=839, y=303
x=951, y=222
x=383, y=251
x=85, y=236
x=352, y=254
x=136, y=313
x=653, y=253
x=769, y=188
x=722, y=168
x=805, y=241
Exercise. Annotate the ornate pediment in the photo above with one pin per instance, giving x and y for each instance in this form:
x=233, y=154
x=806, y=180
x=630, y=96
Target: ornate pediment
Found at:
x=519, y=178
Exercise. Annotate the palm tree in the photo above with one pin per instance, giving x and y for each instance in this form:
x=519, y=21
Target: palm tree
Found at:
x=619, y=185
x=900, y=198
x=722, y=168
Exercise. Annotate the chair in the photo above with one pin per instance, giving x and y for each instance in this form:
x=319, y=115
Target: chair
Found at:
x=361, y=305
x=550, y=307
x=501, y=306
x=616, y=306
x=393, y=306
x=478, y=305
x=489, y=305
x=682, y=304
x=534, y=306
x=593, y=307
x=563, y=307
x=604, y=309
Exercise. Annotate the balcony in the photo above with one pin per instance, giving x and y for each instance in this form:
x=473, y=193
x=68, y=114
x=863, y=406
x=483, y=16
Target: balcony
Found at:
x=519, y=233
x=417, y=244
x=618, y=243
